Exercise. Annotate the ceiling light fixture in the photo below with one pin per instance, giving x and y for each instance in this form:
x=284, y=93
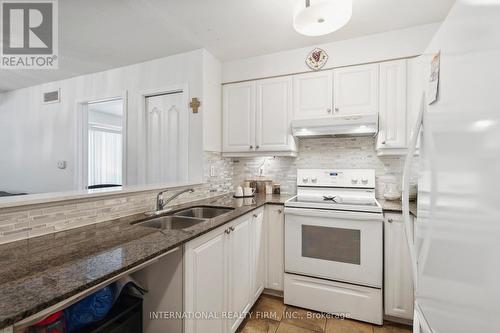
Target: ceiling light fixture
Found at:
x=321, y=17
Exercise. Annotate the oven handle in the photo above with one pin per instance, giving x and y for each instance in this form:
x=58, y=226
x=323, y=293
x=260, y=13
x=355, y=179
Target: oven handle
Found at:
x=360, y=216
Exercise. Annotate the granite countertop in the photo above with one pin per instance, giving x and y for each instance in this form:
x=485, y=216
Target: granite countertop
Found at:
x=397, y=206
x=42, y=271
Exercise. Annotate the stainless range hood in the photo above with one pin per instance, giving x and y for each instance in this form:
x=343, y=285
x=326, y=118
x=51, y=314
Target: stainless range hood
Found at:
x=355, y=125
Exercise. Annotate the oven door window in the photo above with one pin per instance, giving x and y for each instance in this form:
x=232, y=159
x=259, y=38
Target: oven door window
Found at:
x=332, y=244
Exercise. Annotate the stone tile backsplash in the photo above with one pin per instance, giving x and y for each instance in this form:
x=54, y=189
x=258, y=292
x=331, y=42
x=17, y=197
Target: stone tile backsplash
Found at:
x=37, y=220
x=339, y=153
x=220, y=176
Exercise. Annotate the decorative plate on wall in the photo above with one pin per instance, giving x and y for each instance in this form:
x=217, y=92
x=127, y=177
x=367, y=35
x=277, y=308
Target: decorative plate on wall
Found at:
x=316, y=59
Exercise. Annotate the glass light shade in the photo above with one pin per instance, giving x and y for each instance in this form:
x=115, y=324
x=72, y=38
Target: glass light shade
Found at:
x=322, y=17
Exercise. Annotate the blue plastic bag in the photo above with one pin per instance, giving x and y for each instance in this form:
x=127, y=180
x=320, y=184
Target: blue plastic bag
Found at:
x=90, y=309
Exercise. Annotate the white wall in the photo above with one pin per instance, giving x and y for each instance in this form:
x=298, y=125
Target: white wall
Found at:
x=212, y=103
x=33, y=136
x=377, y=47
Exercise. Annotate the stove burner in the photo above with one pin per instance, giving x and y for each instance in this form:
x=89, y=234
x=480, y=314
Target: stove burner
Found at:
x=334, y=198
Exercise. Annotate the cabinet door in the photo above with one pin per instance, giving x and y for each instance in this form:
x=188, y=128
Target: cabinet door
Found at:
x=258, y=253
x=238, y=116
x=392, y=116
x=205, y=283
x=240, y=268
x=312, y=95
x=356, y=90
x=273, y=115
x=275, y=222
x=398, y=284
x=417, y=77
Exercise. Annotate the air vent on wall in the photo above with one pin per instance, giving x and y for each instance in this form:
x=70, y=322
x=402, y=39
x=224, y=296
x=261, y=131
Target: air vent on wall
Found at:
x=51, y=96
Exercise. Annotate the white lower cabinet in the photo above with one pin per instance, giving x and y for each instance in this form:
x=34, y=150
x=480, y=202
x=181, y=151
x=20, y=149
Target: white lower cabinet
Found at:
x=398, y=284
x=205, y=281
x=275, y=227
x=222, y=275
x=259, y=254
x=239, y=270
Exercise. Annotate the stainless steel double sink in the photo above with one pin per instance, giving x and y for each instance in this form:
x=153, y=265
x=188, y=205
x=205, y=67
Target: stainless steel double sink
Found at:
x=185, y=218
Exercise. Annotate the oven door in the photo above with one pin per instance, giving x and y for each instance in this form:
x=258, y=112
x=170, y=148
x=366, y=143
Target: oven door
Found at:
x=335, y=245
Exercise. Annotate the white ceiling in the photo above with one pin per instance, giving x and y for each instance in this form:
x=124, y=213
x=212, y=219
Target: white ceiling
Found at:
x=95, y=35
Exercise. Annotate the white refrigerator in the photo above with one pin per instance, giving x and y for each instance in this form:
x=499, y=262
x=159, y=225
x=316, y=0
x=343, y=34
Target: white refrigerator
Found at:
x=455, y=244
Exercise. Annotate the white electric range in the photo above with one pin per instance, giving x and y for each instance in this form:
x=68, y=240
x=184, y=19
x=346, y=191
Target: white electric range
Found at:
x=334, y=244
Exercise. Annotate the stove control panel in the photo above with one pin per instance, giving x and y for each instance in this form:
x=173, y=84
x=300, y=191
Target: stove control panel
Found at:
x=353, y=178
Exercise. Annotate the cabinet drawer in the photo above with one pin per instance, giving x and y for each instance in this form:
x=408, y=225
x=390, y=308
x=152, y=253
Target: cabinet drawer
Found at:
x=361, y=303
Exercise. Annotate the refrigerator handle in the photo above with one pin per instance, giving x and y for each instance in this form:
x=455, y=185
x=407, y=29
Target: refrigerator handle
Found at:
x=405, y=189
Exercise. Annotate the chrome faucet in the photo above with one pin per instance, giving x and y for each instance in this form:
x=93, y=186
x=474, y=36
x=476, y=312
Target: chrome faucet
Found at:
x=161, y=203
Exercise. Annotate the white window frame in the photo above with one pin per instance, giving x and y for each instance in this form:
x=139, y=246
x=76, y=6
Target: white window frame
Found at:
x=82, y=128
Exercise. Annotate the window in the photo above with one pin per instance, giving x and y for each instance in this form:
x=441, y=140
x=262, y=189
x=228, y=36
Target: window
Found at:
x=105, y=144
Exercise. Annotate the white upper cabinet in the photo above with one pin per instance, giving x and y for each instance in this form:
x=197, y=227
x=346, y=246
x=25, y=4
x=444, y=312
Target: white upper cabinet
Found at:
x=257, y=118
x=312, y=95
x=356, y=90
x=239, y=117
x=273, y=114
x=392, y=116
x=418, y=71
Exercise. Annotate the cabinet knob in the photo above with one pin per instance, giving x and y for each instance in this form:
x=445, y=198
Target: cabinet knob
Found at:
x=383, y=142
x=255, y=215
x=329, y=110
x=227, y=231
x=390, y=220
x=336, y=109
x=251, y=147
x=231, y=228
x=280, y=211
x=257, y=147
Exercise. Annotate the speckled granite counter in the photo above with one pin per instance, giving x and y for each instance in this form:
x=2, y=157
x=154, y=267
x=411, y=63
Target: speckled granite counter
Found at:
x=396, y=206
x=39, y=272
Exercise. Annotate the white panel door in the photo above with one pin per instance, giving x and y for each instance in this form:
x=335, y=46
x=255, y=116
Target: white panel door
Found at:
x=356, y=90
x=240, y=268
x=312, y=95
x=275, y=226
x=205, y=274
x=273, y=114
x=259, y=254
x=392, y=116
x=167, y=147
x=398, y=284
x=238, y=117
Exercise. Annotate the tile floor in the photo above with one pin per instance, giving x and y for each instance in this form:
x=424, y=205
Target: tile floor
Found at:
x=270, y=315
